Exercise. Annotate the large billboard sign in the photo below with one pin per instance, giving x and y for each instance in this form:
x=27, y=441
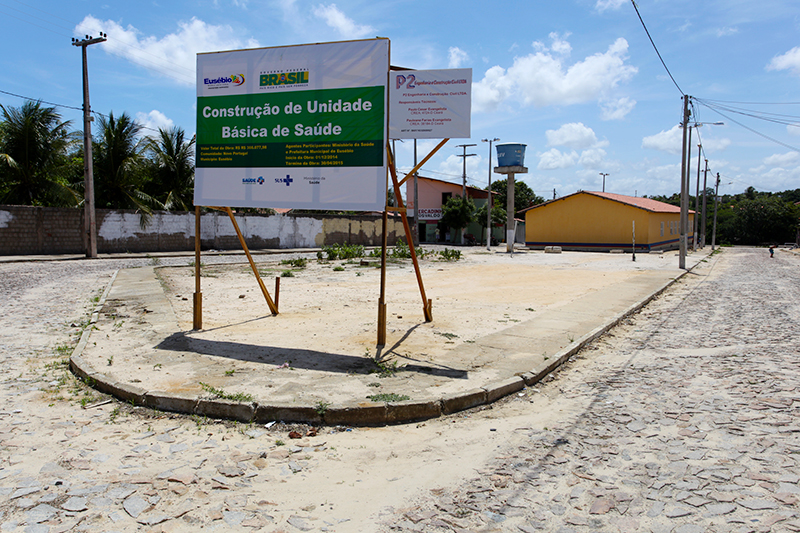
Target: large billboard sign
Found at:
x=300, y=127
x=430, y=104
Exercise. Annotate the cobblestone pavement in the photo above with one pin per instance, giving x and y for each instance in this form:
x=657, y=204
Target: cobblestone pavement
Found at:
x=688, y=421
x=683, y=419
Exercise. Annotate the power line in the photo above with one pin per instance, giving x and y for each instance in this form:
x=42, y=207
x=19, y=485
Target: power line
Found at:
x=748, y=128
x=655, y=47
x=67, y=107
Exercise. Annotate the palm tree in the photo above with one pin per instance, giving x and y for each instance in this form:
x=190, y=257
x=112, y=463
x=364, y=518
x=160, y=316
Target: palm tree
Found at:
x=34, y=163
x=173, y=173
x=119, y=166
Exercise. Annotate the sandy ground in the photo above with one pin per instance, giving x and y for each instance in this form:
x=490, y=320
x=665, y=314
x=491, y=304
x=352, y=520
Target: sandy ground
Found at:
x=190, y=473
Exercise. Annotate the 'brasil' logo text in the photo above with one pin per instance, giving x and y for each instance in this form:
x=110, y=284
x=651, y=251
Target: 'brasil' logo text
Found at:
x=284, y=78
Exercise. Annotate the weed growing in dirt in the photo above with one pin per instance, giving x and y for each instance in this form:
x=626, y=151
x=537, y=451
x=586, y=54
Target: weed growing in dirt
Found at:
x=322, y=407
x=388, y=397
x=450, y=255
x=341, y=251
x=300, y=262
x=220, y=393
x=385, y=370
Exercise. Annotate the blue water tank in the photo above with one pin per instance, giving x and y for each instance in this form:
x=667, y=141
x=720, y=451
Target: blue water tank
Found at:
x=510, y=155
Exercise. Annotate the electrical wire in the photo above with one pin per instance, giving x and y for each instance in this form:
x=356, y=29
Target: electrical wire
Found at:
x=142, y=126
x=748, y=128
x=655, y=47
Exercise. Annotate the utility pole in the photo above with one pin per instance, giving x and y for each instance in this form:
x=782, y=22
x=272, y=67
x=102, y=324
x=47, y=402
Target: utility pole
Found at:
x=554, y=194
x=697, y=200
x=716, y=201
x=464, y=156
x=684, y=199
x=703, y=216
x=88, y=172
x=604, y=174
x=489, y=199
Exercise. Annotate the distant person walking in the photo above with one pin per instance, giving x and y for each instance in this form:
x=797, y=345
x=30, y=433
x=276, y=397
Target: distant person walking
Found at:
x=772, y=251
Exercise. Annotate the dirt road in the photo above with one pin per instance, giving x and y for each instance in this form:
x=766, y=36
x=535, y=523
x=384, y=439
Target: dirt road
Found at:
x=682, y=419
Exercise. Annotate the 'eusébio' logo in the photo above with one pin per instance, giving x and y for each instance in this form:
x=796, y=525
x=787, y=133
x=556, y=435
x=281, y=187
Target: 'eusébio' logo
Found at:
x=224, y=81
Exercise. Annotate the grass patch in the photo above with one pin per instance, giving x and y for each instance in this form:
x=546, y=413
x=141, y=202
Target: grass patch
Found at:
x=300, y=262
x=388, y=397
x=220, y=393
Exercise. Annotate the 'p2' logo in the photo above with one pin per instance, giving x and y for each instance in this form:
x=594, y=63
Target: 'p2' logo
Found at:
x=409, y=81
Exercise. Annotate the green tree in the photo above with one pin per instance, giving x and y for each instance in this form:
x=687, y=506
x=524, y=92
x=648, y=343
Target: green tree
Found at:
x=119, y=166
x=498, y=217
x=763, y=220
x=34, y=162
x=458, y=212
x=172, y=171
x=524, y=197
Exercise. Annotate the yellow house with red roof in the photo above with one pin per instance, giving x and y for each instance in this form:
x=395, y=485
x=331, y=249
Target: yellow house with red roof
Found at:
x=602, y=221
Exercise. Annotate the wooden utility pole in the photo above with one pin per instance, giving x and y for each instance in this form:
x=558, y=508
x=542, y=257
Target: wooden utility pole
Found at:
x=90, y=224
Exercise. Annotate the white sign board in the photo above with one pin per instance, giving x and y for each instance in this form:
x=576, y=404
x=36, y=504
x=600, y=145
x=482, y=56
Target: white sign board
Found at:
x=300, y=127
x=430, y=214
x=430, y=104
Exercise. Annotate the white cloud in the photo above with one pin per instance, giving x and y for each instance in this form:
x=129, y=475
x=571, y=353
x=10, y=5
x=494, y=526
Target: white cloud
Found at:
x=793, y=129
x=346, y=27
x=617, y=109
x=154, y=120
x=713, y=145
x=174, y=55
x=666, y=173
x=667, y=141
x=781, y=159
x=542, y=78
x=724, y=32
x=593, y=158
x=553, y=159
x=788, y=61
x=457, y=57
x=602, y=5
x=560, y=45
x=572, y=135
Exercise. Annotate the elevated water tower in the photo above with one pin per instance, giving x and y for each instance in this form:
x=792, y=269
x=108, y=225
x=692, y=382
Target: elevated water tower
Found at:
x=510, y=161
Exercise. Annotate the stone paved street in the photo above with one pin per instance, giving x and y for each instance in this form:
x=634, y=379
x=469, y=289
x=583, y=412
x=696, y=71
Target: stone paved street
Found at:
x=683, y=420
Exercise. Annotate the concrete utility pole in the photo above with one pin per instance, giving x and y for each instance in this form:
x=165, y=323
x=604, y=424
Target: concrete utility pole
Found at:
x=684, y=200
x=697, y=200
x=88, y=173
x=489, y=199
x=703, y=209
x=465, y=155
x=716, y=201
x=604, y=174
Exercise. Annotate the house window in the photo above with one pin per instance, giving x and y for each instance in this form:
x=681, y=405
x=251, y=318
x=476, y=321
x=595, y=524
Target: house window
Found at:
x=446, y=196
x=662, y=229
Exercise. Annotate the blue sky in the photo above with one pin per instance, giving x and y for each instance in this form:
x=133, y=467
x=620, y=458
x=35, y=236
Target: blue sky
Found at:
x=577, y=81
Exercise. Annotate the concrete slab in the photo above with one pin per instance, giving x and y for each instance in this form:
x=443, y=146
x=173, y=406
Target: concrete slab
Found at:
x=249, y=365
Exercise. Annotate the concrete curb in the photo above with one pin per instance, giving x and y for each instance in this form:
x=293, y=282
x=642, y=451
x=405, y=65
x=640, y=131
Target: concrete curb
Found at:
x=356, y=414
